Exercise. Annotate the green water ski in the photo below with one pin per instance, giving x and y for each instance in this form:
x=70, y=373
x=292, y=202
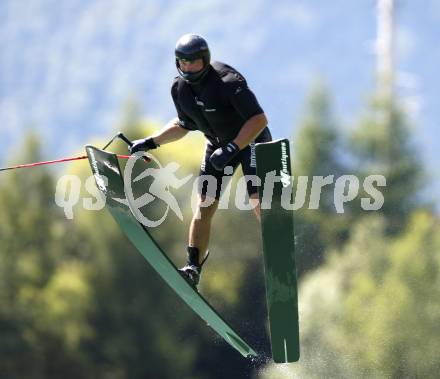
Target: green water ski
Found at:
x=273, y=161
x=106, y=165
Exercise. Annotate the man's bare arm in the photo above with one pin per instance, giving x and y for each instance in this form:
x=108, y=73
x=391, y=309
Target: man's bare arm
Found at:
x=250, y=130
x=171, y=132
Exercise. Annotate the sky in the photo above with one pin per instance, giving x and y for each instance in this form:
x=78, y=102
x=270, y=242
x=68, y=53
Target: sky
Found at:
x=68, y=69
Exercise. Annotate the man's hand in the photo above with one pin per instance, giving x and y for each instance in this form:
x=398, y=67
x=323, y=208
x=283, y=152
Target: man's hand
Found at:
x=223, y=155
x=144, y=144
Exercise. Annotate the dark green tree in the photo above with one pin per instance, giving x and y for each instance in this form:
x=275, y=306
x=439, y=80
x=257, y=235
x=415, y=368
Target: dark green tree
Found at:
x=382, y=144
x=317, y=153
x=372, y=310
x=36, y=287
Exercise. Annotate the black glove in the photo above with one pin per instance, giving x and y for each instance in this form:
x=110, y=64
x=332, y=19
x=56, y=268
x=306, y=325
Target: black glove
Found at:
x=223, y=155
x=144, y=144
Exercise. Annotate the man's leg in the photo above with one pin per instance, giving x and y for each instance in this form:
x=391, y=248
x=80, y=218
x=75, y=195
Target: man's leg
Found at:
x=248, y=162
x=198, y=240
x=255, y=201
x=200, y=229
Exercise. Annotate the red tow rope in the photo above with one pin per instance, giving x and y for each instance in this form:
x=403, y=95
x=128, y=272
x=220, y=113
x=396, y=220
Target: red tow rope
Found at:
x=119, y=135
x=27, y=165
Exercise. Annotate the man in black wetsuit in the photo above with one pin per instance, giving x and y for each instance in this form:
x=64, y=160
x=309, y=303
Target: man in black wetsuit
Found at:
x=213, y=98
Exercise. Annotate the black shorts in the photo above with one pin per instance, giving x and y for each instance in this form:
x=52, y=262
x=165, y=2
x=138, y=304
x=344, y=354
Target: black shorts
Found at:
x=246, y=157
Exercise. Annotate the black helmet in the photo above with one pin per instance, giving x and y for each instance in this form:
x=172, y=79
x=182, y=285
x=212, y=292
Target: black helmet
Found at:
x=191, y=47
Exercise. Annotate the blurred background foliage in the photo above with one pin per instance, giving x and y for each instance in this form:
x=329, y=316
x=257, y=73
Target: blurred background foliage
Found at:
x=77, y=300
